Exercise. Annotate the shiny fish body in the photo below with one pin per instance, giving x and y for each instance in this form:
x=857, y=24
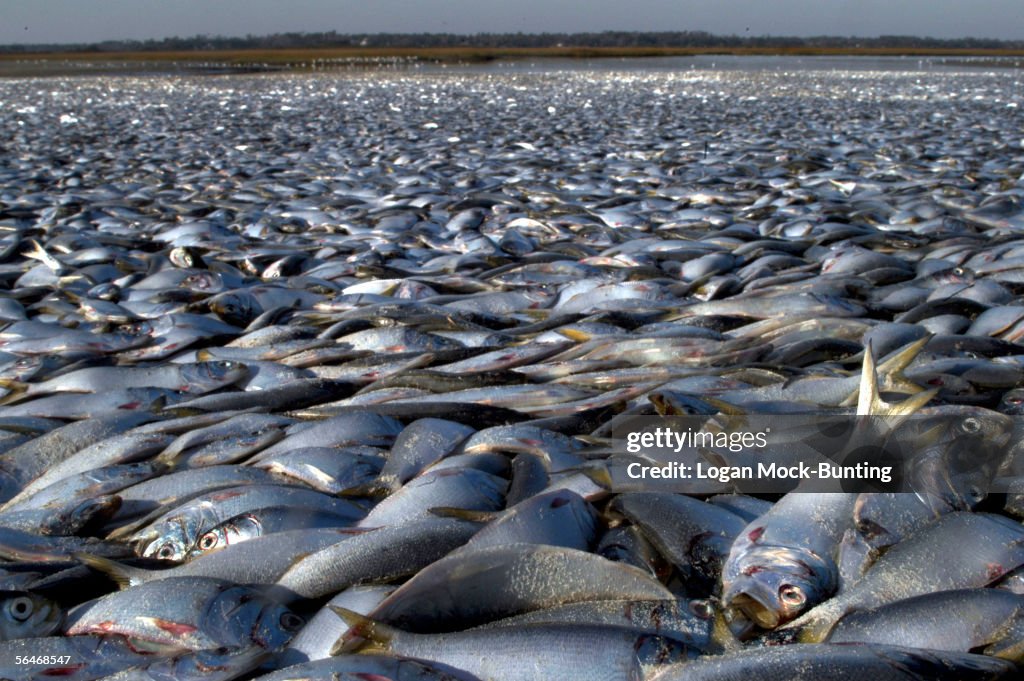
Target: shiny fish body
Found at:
x=173, y=535
x=840, y=662
x=193, y=622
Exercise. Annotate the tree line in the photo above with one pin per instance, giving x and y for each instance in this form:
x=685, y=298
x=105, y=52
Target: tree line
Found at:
x=611, y=39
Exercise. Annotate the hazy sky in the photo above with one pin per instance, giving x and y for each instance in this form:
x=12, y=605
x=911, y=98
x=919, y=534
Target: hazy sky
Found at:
x=55, y=21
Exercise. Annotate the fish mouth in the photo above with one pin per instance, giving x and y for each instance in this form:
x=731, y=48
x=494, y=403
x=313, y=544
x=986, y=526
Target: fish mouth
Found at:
x=765, y=616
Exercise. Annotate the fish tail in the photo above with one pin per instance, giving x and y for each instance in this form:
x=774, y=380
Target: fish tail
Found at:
x=16, y=389
x=891, y=370
x=123, y=575
x=363, y=632
x=37, y=252
x=869, y=401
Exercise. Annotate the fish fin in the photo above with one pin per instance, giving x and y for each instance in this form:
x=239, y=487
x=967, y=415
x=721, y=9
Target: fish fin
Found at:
x=1010, y=643
x=122, y=574
x=575, y=335
x=374, y=489
x=463, y=514
x=724, y=407
x=34, y=250
x=867, y=394
x=722, y=638
x=204, y=355
x=17, y=390
x=37, y=252
x=363, y=632
x=599, y=476
x=904, y=408
x=815, y=632
x=891, y=370
x=869, y=401
x=167, y=459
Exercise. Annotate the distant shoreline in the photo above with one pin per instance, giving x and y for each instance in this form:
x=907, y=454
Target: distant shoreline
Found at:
x=28, y=64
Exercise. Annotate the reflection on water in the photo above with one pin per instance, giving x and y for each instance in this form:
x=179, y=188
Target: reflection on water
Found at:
x=725, y=62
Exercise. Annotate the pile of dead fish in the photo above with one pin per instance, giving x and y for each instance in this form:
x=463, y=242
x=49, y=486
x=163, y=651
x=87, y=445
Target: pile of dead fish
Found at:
x=317, y=376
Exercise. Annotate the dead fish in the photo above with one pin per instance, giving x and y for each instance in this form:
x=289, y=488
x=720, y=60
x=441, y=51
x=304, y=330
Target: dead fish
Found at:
x=509, y=580
x=989, y=546
x=840, y=662
x=563, y=651
x=194, y=621
x=964, y=620
x=779, y=565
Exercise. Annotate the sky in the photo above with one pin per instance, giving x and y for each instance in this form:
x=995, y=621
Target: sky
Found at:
x=79, y=21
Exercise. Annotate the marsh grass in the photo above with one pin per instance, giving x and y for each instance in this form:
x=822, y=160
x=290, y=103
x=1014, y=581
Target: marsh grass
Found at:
x=61, y=63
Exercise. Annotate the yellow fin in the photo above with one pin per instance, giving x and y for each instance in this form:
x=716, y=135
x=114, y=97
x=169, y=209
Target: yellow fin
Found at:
x=363, y=632
x=122, y=574
x=17, y=390
x=869, y=401
x=575, y=335
x=463, y=514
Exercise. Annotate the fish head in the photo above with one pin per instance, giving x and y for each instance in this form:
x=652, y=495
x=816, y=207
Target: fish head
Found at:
x=1012, y=402
x=956, y=454
x=242, y=616
x=171, y=538
x=185, y=257
x=141, y=329
x=95, y=510
x=276, y=626
x=235, y=308
x=772, y=585
x=232, y=531
x=213, y=374
x=171, y=549
x=977, y=424
x=23, y=368
x=27, y=615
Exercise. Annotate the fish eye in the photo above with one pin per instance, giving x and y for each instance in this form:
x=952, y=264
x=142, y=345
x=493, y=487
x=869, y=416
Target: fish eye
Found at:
x=166, y=552
x=290, y=621
x=970, y=426
x=208, y=541
x=702, y=609
x=20, y=608
x=791, y=595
